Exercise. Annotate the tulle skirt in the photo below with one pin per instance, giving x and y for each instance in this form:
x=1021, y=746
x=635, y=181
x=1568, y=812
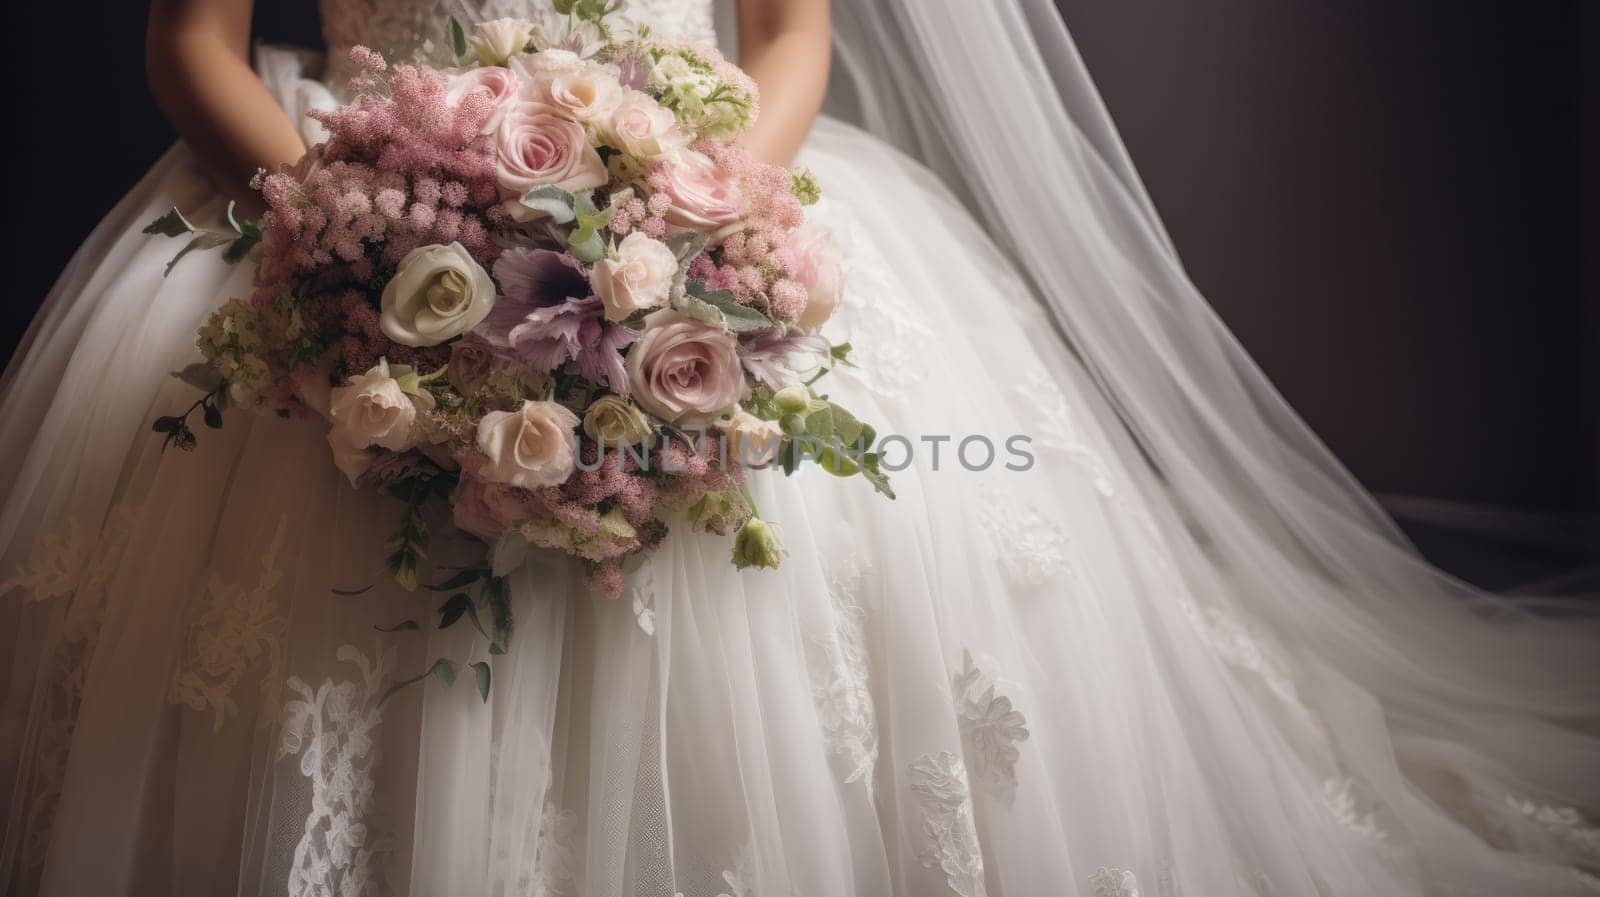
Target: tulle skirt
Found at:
x=1025, y=676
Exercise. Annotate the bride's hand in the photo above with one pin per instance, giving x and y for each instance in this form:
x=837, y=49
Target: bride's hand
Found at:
x=197, y=54
x=784, y=45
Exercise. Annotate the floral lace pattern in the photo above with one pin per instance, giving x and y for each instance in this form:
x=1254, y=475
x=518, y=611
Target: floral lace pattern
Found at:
x=1109, y=881
x=412, y=29
x=990, y=728
x=875, y=316
x=1031, y=549
x=837, y=662
x=1057, y=430
x=1246, y=647
x=1345, y=799
x=332, y=728
x=72, y=565
x=238, y=630
x=1565, y=825
x=939, y=783
x=557, y=860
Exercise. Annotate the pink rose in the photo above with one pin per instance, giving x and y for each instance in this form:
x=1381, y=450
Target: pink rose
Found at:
x=499, y=84
x=683, y=370
x=702, y=198
x=488, y=510
x=813, y=259
x=645, y=129
x=537, y=146
x=530, y=447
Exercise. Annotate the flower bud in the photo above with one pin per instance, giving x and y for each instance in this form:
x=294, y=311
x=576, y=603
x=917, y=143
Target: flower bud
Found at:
x=793, y=400
x=756, y=545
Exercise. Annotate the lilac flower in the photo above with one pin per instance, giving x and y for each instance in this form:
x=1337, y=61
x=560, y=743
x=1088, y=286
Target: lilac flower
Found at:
x=766, y=356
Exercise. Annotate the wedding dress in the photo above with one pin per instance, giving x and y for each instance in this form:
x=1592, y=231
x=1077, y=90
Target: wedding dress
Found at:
x=1089, y=677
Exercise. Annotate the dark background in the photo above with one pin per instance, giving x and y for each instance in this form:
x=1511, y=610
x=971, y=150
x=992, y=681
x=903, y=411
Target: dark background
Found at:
x=1389, y=202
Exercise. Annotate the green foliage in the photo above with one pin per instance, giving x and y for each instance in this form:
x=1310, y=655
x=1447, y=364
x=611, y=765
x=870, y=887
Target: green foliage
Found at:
x=241, y=237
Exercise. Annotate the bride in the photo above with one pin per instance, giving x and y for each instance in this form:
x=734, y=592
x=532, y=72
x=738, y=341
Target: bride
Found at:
x=1180, y=653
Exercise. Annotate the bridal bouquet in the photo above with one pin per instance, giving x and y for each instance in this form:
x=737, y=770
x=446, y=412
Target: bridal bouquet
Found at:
x=541, y=284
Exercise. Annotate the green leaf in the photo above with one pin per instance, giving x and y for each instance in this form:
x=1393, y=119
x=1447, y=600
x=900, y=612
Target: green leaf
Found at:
x=564, y=7
x=213, y=417
x=461, y=605
x=456, y=37
x=442, y=669
x=552, y=201
x=172, y=224
x=402, y=626
x=480, y=671
x=588, y=248
x=167, y=424
x=351, y=593
x=206, y=239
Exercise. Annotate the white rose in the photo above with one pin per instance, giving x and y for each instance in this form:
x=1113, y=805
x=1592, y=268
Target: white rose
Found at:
x=496, y=41
x=530, y=448
x=752, y=442
x=636, y=274
x=645, y=129
x=437, y=293
x=373, y=409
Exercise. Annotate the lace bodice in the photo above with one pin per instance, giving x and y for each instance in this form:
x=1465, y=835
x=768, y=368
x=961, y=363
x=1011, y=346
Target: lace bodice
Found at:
x=406, y=28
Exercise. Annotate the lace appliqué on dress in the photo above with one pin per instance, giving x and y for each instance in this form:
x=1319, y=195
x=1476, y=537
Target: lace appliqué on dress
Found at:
x=557, y=858
x=939, y=782
x=890, y=339
x=1345, y=800
x=1032, y=550
x=73, y=565
x=332, y=728
x=1565, y=825
x=1108, y=881
x=238, y=630
x=837, y=663
x=1057, y=429
x=990, y=728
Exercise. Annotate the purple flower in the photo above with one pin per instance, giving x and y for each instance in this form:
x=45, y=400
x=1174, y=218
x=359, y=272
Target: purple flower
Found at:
x=540, y=276
x=546, y=337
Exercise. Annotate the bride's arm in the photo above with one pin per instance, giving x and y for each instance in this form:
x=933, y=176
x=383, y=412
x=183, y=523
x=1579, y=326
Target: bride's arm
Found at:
x=784, y=45
x=197, y=54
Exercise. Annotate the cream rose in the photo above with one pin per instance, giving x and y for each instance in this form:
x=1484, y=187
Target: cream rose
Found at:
x=437, y=293
x=530, y=447
x=373, y=409
x=636, y=274
x=536, y=145
x=684, y=370
x=498, y=40
x=751, y=441
x=645, y=129
x=701, y=199
x=614, y=421
x=588, y=92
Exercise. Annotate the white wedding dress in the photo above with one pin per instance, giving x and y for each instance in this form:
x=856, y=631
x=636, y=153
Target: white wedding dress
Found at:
x=1044, y=683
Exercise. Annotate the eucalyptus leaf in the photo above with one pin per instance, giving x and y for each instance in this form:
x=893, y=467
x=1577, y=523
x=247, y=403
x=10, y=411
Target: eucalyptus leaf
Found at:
x=733, y=316
x=402, y=626
x=444, y=671
x=552, y=201
x=588, y=246
x=480, y=671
